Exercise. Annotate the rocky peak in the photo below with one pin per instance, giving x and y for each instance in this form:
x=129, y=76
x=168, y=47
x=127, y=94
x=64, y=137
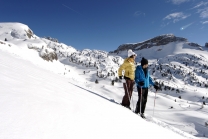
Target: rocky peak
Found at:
x=156, y=41
x=194, y=44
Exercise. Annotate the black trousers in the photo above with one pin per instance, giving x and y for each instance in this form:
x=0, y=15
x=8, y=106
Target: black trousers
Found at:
x=144, y=99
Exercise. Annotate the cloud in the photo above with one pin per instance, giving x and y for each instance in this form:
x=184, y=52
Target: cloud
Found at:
x=138, y=13
x=203, y=13
x=202, y=9
x=200, y=4
x=205, y=22
x=176, y=17
x=177, y=2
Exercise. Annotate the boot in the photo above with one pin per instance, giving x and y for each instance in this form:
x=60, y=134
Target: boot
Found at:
x=142, y=115
x=137, y=110
x=128, y=107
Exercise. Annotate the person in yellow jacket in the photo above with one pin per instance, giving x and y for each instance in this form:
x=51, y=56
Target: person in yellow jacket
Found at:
x=129, y=74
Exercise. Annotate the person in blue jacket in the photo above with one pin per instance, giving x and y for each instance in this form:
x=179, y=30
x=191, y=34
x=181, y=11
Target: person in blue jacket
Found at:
x=143, y=81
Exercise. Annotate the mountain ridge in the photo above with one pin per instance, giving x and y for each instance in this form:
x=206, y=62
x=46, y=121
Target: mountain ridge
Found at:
x=155, y=41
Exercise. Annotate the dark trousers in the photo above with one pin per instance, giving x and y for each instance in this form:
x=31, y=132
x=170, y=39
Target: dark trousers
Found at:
x=144, y=99
x=128, y=89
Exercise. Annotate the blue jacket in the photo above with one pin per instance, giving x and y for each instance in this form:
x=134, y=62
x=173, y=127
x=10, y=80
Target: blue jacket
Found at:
x=140, y=76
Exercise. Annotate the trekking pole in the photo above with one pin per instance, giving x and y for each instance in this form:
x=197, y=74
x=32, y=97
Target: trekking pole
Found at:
x=154, y=104
x=132, y=98
x=129, y=95
x=141, y=101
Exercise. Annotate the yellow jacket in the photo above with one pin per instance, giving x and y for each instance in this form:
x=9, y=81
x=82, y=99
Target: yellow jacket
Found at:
x=129, y=67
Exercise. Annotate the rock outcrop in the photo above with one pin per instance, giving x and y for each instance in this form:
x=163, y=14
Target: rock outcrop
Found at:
x=156, y=41
x=51, y=39
x=194, y=44
x=48, y=54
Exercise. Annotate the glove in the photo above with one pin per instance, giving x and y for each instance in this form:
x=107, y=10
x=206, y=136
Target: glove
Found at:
x=141, y=83
x=156, y=87
x=121, y=80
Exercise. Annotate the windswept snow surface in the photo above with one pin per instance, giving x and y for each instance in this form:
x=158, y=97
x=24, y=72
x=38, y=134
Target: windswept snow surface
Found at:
x=37, y=103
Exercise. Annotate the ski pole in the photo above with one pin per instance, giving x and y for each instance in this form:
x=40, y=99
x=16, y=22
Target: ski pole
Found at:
x=154, y=104
x=132, y=99
x=128, y=95
x=141, y=100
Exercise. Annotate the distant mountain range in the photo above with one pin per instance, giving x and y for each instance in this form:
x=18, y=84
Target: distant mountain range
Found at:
x=156, y=41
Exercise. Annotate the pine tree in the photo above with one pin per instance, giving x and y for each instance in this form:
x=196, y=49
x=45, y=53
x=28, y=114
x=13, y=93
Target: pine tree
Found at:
x=112, y=82
x=108, y=74
x=177, y=91
x=204, y=103
x=116, y=79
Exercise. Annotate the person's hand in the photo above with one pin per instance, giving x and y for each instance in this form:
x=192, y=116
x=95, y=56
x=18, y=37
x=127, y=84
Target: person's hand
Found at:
x=141, y=83
x=156, y=87
x=121, y=80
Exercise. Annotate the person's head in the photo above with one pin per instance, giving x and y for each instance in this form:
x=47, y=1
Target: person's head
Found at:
x=144, y=63
x=131, y=54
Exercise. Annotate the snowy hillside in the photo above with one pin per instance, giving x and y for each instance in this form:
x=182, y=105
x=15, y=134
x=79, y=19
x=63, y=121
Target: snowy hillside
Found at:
x=51, y=50
x=52, y=82
x=36, y=103
x=13, y=31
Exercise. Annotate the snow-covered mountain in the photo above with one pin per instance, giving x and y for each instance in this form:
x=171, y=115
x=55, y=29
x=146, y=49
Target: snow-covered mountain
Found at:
x=156, y=41
x=179, y=67
x=51, y=50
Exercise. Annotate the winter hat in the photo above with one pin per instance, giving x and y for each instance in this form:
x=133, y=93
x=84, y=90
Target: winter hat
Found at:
x=144, y=61
x=130, y=53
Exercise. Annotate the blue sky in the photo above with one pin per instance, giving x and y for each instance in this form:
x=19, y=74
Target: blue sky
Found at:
x=106, y=24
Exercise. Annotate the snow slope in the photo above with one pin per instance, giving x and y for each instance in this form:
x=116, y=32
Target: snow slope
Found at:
x=37, y=103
